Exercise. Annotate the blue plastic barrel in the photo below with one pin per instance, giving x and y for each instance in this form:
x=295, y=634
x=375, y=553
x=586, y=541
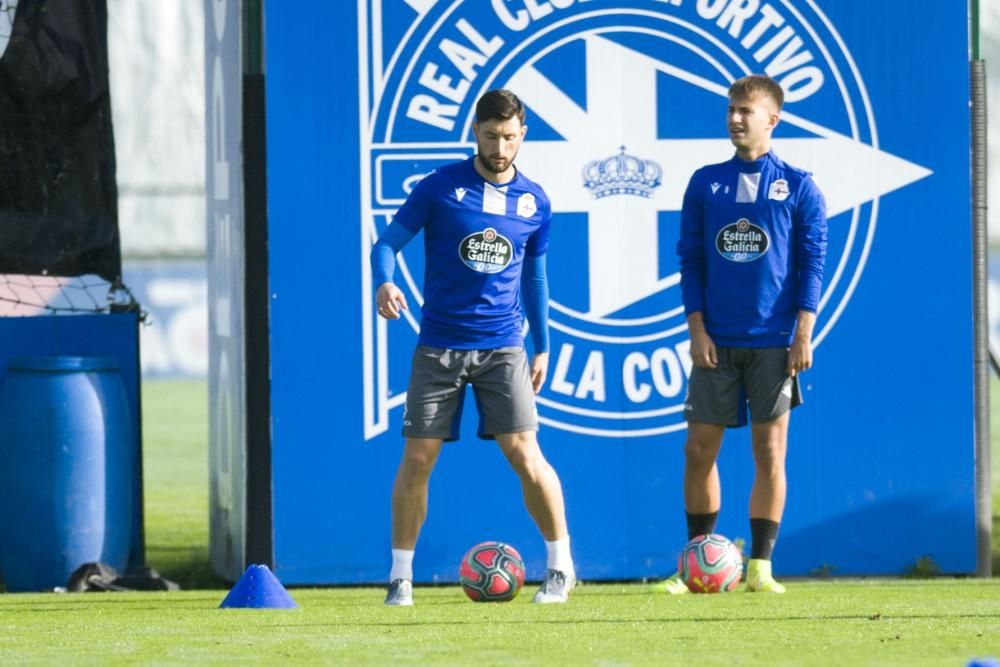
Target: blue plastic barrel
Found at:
x=66, y=466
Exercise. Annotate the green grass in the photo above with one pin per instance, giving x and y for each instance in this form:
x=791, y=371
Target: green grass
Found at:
x=995, y=465
x=175, y=481
x=871, y=622
x=995, y=438
x=942, y=622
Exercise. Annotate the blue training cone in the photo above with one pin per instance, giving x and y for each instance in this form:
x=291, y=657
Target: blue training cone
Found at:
x=258, y=588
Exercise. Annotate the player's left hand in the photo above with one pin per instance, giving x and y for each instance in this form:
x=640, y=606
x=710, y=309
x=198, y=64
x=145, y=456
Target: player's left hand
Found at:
x=539, y=367
x=390, y=301
x=800, y=356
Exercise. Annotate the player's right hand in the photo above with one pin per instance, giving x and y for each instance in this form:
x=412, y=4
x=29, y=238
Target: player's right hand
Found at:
x=703, y=353
x=390, y=301
x=539, y=368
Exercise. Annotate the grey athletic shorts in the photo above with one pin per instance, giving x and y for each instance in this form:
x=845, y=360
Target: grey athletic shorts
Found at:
x=500, y=380
x=754, y=376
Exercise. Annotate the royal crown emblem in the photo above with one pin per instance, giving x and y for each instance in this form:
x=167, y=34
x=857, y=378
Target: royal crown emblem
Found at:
x=622, y=174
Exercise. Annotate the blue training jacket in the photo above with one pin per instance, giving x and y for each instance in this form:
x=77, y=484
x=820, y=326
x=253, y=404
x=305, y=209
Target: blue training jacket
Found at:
x=752, y=248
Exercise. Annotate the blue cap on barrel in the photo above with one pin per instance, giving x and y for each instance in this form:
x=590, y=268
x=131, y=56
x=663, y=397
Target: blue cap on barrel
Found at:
x=258, y=588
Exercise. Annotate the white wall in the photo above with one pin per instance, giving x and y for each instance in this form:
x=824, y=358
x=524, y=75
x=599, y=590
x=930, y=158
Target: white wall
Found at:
x=989, y=18
x=157, y=69
x=157, y=64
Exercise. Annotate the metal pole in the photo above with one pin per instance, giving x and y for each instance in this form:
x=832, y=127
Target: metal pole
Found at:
x=981, y=363
x=974, y=50
x=253, y=36
x=974, y=28
x=259, y=516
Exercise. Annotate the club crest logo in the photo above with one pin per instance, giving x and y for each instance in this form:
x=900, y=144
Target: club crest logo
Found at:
x=526, y=206
x=619, y=116
x=486, y=251
x=742, y=241
x=779, y=190
x=622, y=174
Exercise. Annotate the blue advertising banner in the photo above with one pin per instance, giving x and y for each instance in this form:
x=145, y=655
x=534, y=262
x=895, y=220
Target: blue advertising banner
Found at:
x=173, y=340
x=625, y=99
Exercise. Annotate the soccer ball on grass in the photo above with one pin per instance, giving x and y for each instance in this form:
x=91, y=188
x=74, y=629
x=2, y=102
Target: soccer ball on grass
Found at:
x=710, y=564
x=491, y=572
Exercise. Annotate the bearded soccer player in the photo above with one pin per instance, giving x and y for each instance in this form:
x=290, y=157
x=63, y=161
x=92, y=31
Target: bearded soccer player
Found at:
x=752, y=247
x=486, y=231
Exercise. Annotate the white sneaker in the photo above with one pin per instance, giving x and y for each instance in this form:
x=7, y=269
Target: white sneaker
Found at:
x=400, y=593
x=555, y=587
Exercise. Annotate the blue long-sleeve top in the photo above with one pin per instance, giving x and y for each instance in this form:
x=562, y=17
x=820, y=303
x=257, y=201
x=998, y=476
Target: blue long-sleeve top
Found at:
x=752, y=249
x=485, y=258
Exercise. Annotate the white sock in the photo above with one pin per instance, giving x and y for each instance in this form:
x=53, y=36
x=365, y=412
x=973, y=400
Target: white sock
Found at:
x=402, y=565
x=559, y=557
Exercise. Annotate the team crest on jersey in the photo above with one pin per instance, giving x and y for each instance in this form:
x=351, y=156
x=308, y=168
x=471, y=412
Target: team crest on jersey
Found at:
x=526, y=206
x=596, y=79
x=742, y=241
x=486, y=251
x=779, y=190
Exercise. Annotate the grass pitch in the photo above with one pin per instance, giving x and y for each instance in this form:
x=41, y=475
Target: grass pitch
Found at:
x=941, y=622
x=995, y=464
x=870, y=622
x=175, y=476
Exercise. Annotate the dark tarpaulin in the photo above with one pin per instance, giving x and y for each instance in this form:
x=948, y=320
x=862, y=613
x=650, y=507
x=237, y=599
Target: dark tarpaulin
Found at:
x=58, y=196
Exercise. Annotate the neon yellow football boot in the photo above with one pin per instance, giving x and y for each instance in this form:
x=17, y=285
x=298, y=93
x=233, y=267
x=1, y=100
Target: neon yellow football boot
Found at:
x=759, y=579
x=673, y=585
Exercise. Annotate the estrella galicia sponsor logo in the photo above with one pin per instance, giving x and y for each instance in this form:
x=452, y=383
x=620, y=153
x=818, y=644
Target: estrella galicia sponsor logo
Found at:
x=742, y=241
x=486, y=251
x=599, y=78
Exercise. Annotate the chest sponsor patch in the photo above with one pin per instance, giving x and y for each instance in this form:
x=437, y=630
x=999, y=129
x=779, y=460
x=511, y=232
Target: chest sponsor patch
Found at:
x=742, y=241
x=486, y=251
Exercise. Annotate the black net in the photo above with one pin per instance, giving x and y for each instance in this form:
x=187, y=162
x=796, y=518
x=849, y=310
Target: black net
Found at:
x=58, y=197
x=30, y=295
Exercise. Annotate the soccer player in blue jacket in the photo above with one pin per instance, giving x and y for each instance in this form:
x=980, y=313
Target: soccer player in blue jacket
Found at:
x=486, y=232
x=752, y=247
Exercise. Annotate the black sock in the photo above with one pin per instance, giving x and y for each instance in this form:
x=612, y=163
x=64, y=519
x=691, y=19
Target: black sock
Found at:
x=700, y=524
x=763, y=534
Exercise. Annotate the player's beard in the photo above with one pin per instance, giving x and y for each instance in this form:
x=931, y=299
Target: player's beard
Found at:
x=494, y=165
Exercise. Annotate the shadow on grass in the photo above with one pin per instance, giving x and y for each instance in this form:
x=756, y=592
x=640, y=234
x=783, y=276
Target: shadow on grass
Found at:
x=996, y=545
x=188, y=566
